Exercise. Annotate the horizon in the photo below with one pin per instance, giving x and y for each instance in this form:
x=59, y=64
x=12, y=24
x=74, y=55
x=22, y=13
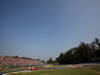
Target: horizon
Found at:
x=44, y=29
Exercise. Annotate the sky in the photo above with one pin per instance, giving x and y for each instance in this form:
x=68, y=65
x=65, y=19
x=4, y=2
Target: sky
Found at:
x=45, y=28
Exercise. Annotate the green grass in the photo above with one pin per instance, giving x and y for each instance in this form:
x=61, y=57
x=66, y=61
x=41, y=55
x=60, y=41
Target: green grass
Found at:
x=15, y=69
x=9, y=71
x=57, y=66
x=69, y=71
x=93, y=68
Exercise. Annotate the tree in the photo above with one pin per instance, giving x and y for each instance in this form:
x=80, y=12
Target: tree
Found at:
x=43, y=61
x=60, y=59
x=84, y=53
x=97, y=44
x=50, y=61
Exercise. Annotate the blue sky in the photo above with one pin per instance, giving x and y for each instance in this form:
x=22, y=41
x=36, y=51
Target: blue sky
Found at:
x=44, y=28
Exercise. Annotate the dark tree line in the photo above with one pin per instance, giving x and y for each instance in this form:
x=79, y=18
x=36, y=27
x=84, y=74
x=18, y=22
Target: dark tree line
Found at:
x=84, y=53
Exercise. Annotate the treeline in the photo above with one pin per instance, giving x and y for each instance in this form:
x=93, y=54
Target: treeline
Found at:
x=84, y=53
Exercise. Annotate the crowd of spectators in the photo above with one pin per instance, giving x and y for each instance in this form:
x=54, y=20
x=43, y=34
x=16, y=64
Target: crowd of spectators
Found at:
x=16, y=60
